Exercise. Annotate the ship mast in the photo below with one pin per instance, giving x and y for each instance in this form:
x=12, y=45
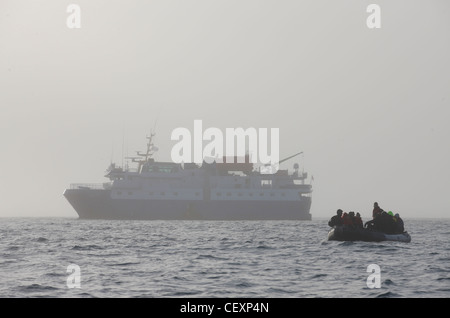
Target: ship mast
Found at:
x=148, y=154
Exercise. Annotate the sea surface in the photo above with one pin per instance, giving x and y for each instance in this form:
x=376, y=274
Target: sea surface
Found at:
x=208, y=259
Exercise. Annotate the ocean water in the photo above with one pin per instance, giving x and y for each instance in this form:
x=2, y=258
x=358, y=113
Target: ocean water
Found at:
x=209, y=259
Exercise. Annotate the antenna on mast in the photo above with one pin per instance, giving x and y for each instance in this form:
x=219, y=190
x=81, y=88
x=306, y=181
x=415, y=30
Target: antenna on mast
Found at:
x=123, y=144
x=157, y=117
x=112, y=152
x=285, y=159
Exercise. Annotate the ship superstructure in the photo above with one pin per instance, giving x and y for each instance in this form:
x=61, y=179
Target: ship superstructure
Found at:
x=171, y=191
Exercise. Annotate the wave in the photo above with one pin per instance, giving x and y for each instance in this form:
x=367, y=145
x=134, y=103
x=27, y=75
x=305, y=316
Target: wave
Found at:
x=387, y=294
x=209, y=256
x=125, y=264
x=37, y=288
x=87, y=247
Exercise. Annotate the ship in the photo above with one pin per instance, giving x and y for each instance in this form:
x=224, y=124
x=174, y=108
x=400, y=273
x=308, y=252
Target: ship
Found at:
x=157, y=190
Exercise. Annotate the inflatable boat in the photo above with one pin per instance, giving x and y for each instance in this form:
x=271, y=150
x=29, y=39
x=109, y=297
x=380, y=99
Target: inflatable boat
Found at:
x=349, y=233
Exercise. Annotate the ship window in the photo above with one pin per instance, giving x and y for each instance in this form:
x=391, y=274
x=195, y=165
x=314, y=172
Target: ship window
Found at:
x=197, y=193
x=272, y=194
x=261, y=194
x=219, y=194
x=129, y=193
x=175, y=193
x=150, y=193
x=163, y=193
x=119, y=193
x=240, y=194
x=229, y=194
x=283, y=194
x=250, y=194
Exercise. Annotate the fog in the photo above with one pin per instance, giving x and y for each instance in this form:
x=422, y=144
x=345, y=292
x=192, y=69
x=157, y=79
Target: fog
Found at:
x=369, y=108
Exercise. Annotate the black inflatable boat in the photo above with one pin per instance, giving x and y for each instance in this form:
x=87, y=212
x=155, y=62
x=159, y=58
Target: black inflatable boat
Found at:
x=350, y=233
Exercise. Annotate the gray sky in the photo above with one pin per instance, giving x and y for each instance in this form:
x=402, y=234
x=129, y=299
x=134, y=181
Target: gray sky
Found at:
x=369, y=107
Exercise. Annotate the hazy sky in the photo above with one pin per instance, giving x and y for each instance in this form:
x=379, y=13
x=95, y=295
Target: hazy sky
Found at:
x=370, y=108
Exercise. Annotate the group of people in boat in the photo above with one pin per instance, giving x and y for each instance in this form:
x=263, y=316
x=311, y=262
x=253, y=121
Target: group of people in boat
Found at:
x=382, y=221
x=344, y=218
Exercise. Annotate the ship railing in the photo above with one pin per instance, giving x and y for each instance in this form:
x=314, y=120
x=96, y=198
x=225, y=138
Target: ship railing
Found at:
x=94, y=186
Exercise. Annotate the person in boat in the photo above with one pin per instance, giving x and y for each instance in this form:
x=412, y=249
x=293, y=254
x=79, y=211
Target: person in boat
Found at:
x=352, y=218
x=391, y=227
x=371, y=224
x=377, y=223
x=346, y=220
x=400, y=227
x=357, y=221
x=376, y=210
x=336, y=219
x=385, y=223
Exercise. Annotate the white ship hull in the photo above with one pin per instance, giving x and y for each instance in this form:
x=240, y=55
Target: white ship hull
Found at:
x=99, y=204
